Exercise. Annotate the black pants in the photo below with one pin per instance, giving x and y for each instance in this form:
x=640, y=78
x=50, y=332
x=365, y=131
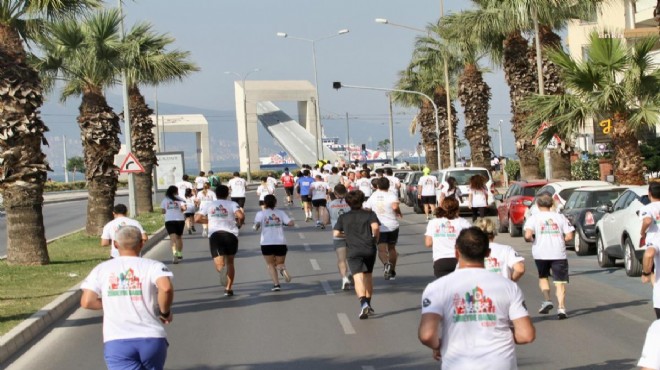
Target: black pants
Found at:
x=480, y=211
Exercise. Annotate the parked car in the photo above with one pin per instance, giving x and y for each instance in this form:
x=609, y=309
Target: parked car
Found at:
x=462, y=176
x=561, y=191
x=411, y=188
x=511, y=210
x=402, y=175
x=582, y=210
x=618, y=231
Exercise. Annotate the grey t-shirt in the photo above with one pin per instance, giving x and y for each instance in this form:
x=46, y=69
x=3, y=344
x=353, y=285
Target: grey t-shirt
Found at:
x=356, y=225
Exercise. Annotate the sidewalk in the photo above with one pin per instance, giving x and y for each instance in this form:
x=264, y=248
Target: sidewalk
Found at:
x=65, y=196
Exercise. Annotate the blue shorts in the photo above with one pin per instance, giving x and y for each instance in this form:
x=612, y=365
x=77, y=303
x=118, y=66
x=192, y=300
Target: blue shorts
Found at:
x=136, y=354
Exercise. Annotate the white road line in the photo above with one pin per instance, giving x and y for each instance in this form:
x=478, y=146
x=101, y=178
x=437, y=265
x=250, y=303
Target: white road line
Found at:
x=345, y=324
x=301, y=236
x=626, y=314
x=327, y=288
x=368, y=368
x=307, y=247
x=315, y=264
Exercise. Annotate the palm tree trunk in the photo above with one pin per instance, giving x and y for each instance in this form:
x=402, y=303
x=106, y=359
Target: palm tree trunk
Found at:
x=143, y=143
x=426, y=120
x=440, y=99
x=99, y=127
x=23, y=165
x=474, y=94
x=628, y=160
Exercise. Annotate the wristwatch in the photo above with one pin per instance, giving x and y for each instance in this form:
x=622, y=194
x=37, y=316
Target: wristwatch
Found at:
x=646, y=273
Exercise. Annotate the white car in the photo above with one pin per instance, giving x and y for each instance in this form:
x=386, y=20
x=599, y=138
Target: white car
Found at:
x=462, y=176
x=618, y=231
x=561, y=191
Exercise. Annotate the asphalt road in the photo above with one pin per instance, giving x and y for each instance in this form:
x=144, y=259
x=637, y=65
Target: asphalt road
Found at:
x=311, y=324
x=59, y=219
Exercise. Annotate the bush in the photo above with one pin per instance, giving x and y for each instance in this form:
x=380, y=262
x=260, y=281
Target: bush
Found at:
x=512, y=169
x=585, y=170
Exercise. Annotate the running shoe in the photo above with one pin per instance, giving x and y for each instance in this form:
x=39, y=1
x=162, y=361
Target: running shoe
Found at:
x=371, y=311
x=322, y=227
x=307, y=219
x=364, y=311
x=193, y=229
x=392, y=274
x=275, y=288
x=345, y=284
x=285, y=275
x=561, y=314
x=179, y=255
x=546, y=306
x=318, y=223
x=205, y=233
x=189, y=231
x=229, y=293
x=387, y=272
x=223, y=276
x=175, y=259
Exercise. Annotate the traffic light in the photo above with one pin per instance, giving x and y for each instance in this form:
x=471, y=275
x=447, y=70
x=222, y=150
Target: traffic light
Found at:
x=364, y=147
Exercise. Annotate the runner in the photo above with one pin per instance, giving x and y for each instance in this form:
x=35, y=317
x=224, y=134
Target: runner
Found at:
x=349, y=181
x=110, y=229
x=441, y=234
x=200, y=181
x=214, y=180
x=449, y=189
x=503, y=259
x=273, y=242
x=650, y=359
x=237, y=186
x=364, y=184
x=224, y=218
x=190, y=211
x=426, y=192
x=304, y=183
x=272, y=181
x=288, y=182
x=203, y=197
x=263, y=190
x=360, y=228
x=183, y=185
x=336, y=208
x=478, y=196
x=650, y=233
x=395, y=183
x=319, y=194
x=386, y=206
x=173, y=207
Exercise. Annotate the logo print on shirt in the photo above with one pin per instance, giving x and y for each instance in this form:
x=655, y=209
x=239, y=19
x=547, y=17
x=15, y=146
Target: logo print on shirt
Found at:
x=272, y=221
x=219, y=211
x=549, y=227
x=492, y=264
x=474, y=306
x=125, y=284
x=445, y=230
x=426, y=302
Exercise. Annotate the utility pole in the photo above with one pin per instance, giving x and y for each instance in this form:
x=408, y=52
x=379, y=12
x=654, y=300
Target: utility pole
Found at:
x=499, y=131
x=157, y=124
x=127, y=128
x=348, y=138
x=539, y=72
x=391, y=128
x=66, y=170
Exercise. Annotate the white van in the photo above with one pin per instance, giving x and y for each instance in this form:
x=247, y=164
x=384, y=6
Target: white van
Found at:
x=462, y=176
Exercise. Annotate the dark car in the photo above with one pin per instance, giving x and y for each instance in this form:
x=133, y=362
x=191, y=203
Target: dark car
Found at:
x=582, y=211
x=411, y=189
x=511, y=210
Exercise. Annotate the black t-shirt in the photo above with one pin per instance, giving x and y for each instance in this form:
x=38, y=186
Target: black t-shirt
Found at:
x=356, y=225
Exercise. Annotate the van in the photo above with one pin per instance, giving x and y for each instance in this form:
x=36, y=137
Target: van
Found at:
x=462, y=176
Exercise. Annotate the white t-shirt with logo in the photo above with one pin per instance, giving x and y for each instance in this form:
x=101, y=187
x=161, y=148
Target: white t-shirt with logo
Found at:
x=205, y=198
x=502, y=259
x=272, y=226
x=237, y=186
x=337, y=208
x=651, y=352
x=127, y=286
x=395, y=184
x=190, y=205
x=428, y=184
x=652, y=211
x=172, y=209
x=477, y=308
x=381, y=203
x=200, y=181
x=110, y=230
x=182, y=186
x=444, y=233
x=479, y=197
x=264, y=190
x=271, y=181
x=319, y=190
x=221, y=215
x=549, y=229
x=364, y=184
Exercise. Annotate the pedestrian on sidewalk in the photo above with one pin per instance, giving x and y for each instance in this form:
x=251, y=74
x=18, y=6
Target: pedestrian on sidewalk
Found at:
x=237, y=188
x=273, y=243
x=386, y=205
x=224, y=218
x=503, y=259
x=191, y=202
x=549, y=231
x=336, y=208
x=650, y=233
x=472, y=318
x=173, y=207
x=319, y=193
x=110, y=229
x=136, y=296
x=441, y=234
x=360, y=228
x=204, y=197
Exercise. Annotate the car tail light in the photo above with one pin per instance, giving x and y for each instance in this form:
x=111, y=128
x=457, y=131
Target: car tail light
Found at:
x=589, y=219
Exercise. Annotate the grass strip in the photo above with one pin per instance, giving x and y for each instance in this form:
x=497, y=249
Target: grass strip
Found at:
x=26, y=289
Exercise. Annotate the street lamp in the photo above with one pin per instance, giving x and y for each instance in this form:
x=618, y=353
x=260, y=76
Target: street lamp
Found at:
x=316, y=83
x=338, y=85
x=132, y=207
x=247, y=141
x=445, y=65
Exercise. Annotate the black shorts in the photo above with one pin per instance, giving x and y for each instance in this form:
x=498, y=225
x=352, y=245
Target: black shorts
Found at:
x=361, y=263
x=223, y=243
x=389, y=237
x=319, y=202
x=429, y=199
x=288, y=190
x=240, y=201
x=444, y=266
x=175, y=227
x=559, y=269
x=189, y=215
x=274, y=250
x=305, y=198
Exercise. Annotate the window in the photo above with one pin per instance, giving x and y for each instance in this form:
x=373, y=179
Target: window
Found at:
x=585, y=53
x=463, y=177
x=622, y=202
x=530, y=191
x=600, y=198
x=570, y=203
x=547, y=189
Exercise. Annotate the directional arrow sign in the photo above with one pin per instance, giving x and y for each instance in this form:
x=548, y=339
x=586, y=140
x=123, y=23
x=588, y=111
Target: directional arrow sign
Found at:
x=131, y=165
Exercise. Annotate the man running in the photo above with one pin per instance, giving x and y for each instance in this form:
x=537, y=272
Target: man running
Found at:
x=111, y=228
x=237, y=187
x=386, y=206
x=364, y=184
x=395, y=183
x=183, y=185
x=426, y=187
x=288, y=182
x=304, y=184
x=319, y=194
x=336, y=208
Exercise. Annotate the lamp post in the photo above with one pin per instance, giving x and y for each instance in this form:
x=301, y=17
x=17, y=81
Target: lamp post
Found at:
x=245, y=121
x=127, y=125
x=539, y=73
x=319, y=144
x=339, y=85
x=445, y=66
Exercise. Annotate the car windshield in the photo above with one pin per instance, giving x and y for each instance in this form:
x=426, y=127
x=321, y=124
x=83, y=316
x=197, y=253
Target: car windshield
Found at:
x=530, y=191
x=599, y=198
x=645, y=200
x=400, y=175
x=463, y=177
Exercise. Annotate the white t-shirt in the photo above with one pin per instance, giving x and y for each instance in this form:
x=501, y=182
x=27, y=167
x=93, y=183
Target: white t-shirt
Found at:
x=190, y=205
x=444, y=233
x=381, y=203
x=651, y=352
x=395, y=184
x=444, y=190
x=364, y=184
x=477, y=308
x=549, y=229
x=502, y=258
x=203, y=199
x=337, y=208
x=428, y=184
x=333, y=180
x=479, y=197
x=221, y=215
x=172, y=209
x=127, y=286
x=110, y=230
x=272, y=226
x=656, y=283
x=200, y=181
x=272, y=182
x=652, y=211
x=182, y=186
x=319, y=190
x=237, y=186
x=264, y=190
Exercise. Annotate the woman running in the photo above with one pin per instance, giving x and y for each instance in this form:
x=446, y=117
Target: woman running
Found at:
x=273, y=242
x=478, y=196
x=173, y=207
x=503, y=259
x=450, y=190
x=441, y=234
x=263, y=190
x=190, y=211
x=203, y=197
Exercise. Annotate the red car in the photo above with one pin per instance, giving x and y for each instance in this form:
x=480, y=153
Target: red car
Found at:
x=511, y=210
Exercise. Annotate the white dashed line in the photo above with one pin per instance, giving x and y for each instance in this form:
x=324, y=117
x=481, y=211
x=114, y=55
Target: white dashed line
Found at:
x=301, y=236
x=345, y=324
x=315, y=264
x=307, y=247
x=327, y=288
x=626, y=314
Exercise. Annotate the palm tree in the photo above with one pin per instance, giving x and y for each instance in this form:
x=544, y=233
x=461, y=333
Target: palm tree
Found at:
x=148, y=63
x=23, y=164
x=615, y=80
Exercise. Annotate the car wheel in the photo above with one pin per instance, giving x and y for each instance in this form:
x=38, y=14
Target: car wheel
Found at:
x=501, y=228
x=632, y=264
x=513, y=229
x=604, y=259
x=582, y=248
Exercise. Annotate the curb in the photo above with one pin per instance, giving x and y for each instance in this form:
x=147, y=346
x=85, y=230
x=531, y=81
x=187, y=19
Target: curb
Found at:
x=32, y=327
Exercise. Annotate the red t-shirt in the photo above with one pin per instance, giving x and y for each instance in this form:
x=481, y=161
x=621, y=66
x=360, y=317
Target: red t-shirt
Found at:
x=287, y=180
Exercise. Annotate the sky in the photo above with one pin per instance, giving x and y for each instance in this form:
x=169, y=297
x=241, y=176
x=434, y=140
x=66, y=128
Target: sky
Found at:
x=240, y=35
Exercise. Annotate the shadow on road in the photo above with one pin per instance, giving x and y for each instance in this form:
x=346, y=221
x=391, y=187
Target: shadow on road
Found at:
x=607, y=365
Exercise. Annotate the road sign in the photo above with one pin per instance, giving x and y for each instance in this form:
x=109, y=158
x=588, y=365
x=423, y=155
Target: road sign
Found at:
x=131, y=165
x=554, y=142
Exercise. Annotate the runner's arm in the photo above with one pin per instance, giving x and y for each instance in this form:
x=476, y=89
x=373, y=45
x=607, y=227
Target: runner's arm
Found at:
x=428, y=332
x=523, y=330
x=165, y=298
x=647, y=263
x=397, y=210
x=240, y=217
x=569, y=236
x=646, y=223
x=428, y=241
x=105, y=242
x=518, y=271
x=375, y=230
x=201, y=219
x=90, y=300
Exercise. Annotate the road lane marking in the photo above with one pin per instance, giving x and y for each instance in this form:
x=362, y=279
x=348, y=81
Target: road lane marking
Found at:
x=626, y=314
x=301, y=236
x=327, y=288
x=345, y=324
x=307, y=247
x=315, y=264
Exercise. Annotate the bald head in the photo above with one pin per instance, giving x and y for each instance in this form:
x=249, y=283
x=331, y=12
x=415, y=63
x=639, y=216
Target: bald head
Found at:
x=128, y=237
